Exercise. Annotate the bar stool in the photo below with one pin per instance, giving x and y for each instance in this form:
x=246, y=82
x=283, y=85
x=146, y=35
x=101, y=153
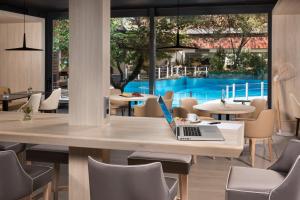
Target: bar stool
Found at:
x=51, y=154
x=171, y=163
x=116, y=182
x=20, y=182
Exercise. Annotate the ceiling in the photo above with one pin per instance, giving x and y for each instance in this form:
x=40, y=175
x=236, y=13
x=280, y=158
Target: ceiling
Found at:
x=9, y=17
x=62, y=5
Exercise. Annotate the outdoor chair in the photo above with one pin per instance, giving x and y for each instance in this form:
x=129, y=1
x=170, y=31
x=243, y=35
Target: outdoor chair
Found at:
x=115, y=105
x=280, y=181
x=151, y=108
x=259, y=104
x=116, y=182
x=188, y=103
x=260, y=129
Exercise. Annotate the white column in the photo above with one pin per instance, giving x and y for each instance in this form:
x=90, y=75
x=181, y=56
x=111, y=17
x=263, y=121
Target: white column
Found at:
x=171, y=70
x=206, y=71
x=184, y=71
x=233, y=91
x=262, y=89
x=167, y=72
x=89, y=61
x=195, y=71
x=159, y=73
x=247, y=90
x=227, y=91
x=139, y=77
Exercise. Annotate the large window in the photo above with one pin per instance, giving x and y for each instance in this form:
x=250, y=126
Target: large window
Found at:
x=228, y=58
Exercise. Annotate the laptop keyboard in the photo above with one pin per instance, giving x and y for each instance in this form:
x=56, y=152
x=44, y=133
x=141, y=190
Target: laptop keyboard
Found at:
x=191, y=131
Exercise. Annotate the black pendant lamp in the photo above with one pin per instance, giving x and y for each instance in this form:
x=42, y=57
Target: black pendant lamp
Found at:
x=177, y=46
x=24, y=46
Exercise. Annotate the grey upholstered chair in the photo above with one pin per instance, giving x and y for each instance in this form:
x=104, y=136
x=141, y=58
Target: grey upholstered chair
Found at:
x=280, y=181
x=16, y=147
x=115, y=182
x=18, y=181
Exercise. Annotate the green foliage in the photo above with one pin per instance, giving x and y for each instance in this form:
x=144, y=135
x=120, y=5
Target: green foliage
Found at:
x=61, y=41
x=217, y=61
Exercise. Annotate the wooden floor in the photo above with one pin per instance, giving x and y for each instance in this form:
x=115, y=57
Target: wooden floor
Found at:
x=208, y=177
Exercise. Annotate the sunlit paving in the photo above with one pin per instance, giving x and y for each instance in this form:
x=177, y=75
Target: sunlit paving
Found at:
x=149, y=100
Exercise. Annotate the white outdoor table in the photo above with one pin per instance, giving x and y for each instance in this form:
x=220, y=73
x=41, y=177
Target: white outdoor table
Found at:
x=120, y=98
x=121, y=133
x=225, y=109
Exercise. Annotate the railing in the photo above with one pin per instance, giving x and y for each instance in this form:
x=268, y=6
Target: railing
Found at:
x=255, y=88
x=173, y=71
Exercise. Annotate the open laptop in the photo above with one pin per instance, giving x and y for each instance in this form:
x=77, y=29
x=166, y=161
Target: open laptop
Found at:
x=191, y=132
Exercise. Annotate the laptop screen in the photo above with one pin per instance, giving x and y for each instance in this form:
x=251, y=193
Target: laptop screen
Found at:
x=165, y=110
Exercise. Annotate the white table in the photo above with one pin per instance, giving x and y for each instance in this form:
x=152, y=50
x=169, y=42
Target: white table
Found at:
x=130, y=99
x=225, y=109
x=121, y=133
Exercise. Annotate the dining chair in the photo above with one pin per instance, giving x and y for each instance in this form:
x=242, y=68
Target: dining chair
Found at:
x=115, y=105
x=33, y=102
x=259, y=104
x=168, y=99
x=151, y=108
x=260, y=129
x=19, y=182
x=55, y=154
x=295, y=103
x=116, y=182
x=278, y=182
x=189, y=103
x=51, y=103
x=171, y=163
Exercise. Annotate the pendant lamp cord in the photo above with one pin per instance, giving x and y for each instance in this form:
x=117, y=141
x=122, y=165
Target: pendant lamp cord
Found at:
x=24, y=15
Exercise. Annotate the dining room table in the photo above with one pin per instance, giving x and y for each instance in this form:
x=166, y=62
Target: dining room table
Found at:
x=6, y=98
x=117, y=133
x=227, y=109
x=130, y=99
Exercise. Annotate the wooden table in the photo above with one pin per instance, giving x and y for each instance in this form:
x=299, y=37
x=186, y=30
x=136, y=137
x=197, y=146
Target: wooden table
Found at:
x=144, y=97
x=225, y=109
x=15, y=96
x=121, y=133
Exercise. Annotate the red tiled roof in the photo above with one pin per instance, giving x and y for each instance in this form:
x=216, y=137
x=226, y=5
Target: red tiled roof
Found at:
x=253, y=43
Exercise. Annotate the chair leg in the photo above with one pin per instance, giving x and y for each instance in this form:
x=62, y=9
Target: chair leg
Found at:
x=253, y=145
x=270, y=149
x=183, y=186
x=55, y=187
x=297, y=128
x=194, y=159
x=47, y=192
x=105, y=155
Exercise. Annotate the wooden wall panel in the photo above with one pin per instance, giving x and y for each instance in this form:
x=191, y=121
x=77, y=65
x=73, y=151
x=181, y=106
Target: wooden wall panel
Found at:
x=286, y=51
x=20, y=70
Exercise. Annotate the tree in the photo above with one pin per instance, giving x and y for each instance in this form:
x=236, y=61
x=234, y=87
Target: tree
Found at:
x=61, y=41
x=236, y=27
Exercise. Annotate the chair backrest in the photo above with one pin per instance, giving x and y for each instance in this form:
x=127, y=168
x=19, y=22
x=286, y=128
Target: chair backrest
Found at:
x=188, y=104
x=151, y=108
x=263, y=126
x=288, y=157
x=34, y=101
x=51, y=103
x=169, y=95
x=15, y=183
x=295, y=104
x=260, y=105
x=4, y=90
x=180, y=112
x=137, y=182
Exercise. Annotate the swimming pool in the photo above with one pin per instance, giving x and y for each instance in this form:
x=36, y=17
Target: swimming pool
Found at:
x=203, y=89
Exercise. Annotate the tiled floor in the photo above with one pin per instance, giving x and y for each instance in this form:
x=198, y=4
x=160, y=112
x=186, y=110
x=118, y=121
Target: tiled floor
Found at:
x=208, y=177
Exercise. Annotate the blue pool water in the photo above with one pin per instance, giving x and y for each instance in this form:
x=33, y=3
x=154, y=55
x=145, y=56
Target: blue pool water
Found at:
x=203, y=89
